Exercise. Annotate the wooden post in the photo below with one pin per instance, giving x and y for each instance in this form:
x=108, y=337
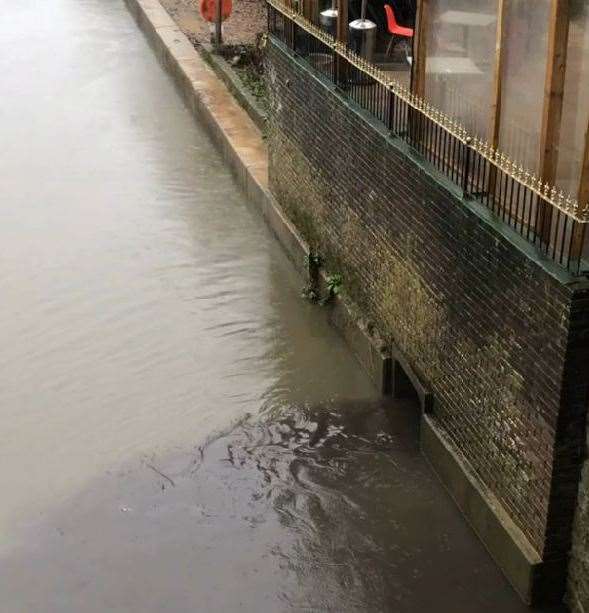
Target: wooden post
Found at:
x=558, y=34
x=218, y=22
x=417, y=85
x=342, y=21
x=580, y=231
x=420, y=48
x=583, y=197
x=496, y=92
x=341, y=35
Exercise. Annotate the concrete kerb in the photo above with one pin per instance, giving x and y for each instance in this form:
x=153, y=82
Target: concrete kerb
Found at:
x=504, y=541
x=233, y=83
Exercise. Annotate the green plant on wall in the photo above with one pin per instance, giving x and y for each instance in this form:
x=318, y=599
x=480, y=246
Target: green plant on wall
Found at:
x=334, y=285
x=309, y=293
x=333, y=282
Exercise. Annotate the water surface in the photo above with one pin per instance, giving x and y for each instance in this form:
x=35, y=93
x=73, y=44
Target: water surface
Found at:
x=179, y=431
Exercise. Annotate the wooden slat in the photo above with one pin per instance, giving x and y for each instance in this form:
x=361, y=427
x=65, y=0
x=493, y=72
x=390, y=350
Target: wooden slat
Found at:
x=580, y=237
x=558, y=33
x=342, y=21
x=218, y=22
x=583, y=197
x=420, y=48
x=341, y=34
x=310, y=10
x=496, y=92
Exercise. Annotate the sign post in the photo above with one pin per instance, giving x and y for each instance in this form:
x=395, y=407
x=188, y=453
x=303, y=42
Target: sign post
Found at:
x=218, y=22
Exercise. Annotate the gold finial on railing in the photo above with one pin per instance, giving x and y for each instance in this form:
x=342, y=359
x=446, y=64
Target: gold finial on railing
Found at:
x=570, y=205
x=450, y=124
x=542, y=189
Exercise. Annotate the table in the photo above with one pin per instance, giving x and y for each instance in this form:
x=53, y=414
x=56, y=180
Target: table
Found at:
x=451, y=65
x=467, y=19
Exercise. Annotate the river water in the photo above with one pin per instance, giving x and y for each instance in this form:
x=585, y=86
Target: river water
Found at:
x=179, y=431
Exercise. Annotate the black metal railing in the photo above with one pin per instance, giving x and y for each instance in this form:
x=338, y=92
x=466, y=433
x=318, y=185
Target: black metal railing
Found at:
x=556, y=224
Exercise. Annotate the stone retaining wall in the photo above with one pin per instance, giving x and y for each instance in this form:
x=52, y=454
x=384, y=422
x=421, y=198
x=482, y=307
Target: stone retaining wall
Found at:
x=497, y=335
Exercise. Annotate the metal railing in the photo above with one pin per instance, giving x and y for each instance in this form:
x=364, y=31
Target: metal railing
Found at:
x=547, y=218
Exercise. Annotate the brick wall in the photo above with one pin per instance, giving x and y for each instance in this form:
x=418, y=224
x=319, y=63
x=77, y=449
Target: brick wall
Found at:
x=578, y=581
x=485, y=324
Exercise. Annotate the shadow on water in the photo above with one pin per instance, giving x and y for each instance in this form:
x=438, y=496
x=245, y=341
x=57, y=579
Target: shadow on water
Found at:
x=322, y=508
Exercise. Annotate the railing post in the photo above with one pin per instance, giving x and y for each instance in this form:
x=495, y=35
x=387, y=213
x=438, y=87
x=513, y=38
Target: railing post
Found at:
x=544, y=223
x=268, y=25
x=467, y=165
x=218, y=24
x=342, y=71
x=341, y=64
x=577, y=246
x=391, y=109
x=293, y=36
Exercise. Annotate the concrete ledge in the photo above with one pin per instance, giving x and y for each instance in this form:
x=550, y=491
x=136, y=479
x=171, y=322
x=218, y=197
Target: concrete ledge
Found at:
x=240, y=92
x=368, y=349
x=507, y=545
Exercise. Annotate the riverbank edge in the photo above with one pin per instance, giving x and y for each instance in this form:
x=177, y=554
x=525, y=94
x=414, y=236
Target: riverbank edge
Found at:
x=242, y=146
x=240, y=92
x=241, y=143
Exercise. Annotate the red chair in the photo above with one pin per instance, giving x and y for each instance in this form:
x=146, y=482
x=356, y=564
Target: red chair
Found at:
x=395, y=30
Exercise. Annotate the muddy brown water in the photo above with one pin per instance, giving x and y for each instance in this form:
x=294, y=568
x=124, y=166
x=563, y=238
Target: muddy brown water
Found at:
x=179, y=430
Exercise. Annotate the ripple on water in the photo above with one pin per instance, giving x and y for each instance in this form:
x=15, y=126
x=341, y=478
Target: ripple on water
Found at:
x=301, y=508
